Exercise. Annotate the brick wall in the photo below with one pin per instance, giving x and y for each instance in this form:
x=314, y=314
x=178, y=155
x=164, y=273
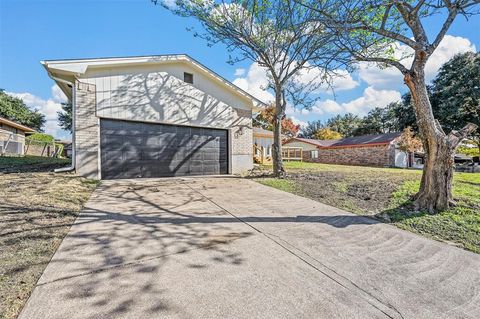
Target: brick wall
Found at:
x=242, y=133
x=377, y=155
x=242, y=141
x=86, y=131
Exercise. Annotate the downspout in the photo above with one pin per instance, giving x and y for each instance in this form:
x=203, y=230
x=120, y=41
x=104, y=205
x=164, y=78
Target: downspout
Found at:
x=72, y=85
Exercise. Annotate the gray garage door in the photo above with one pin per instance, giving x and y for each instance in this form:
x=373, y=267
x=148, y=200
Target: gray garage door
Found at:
x=133, y=149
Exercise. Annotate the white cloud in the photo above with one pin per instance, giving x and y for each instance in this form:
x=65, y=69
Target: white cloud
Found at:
x=340, y=80
x=391, y=78
x=255, y=82
x=58, y=95
x=48, y=107
x=171, y=4
x=239, y=72
x=370, y=99
x=297, y=121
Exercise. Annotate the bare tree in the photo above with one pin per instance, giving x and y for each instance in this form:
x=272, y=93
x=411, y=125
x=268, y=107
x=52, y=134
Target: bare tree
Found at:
x=372, y=31
x=280, y=36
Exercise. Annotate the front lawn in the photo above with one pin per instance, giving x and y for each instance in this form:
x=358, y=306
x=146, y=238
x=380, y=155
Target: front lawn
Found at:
x=36, y=211
x=10, y=164
x=386, y=193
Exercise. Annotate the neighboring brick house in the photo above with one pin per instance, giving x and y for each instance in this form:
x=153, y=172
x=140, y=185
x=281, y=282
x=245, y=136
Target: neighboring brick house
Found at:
x=12, y=137
x=368, y=150
x=155, y=116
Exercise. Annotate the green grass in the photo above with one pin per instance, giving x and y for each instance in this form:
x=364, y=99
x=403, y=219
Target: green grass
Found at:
x=281, y=184
x=10, y=161
x=459, y=225
x=387, y=193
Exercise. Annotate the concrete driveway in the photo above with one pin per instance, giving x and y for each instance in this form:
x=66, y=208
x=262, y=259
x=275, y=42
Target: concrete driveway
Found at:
x=232, y=248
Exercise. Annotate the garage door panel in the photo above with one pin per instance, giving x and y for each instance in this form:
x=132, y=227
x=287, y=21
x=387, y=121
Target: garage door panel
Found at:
x=133, y=149
x=130, y=156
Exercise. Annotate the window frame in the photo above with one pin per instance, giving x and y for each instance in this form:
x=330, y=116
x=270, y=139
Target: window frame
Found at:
x=188, y=77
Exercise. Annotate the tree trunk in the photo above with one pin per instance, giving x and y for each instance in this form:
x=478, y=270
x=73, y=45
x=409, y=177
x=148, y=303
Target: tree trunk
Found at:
x=435, y=192
x=278, y=169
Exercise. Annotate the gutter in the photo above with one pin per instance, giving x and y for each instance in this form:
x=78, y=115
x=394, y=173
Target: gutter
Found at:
x=72, y=85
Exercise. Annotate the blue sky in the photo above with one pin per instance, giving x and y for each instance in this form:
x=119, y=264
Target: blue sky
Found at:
x=34, y=30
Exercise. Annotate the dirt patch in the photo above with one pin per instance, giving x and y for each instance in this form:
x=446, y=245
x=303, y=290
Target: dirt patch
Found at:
x=360, y=194
x=36, y=212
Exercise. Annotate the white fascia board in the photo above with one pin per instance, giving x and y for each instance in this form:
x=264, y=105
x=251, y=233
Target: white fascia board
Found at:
x=79, y=67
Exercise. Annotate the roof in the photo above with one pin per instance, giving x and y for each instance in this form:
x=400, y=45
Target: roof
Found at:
x=16, y=125
x=64, y=142
x=261, y=131
x=367, y=139
x=319, y=143
x=356, y=141
x=80, y=66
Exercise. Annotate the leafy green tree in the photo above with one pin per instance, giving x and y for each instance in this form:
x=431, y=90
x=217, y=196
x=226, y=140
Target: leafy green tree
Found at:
x=377, y=121
x=369, y=31
x=345, y=124
x=455, y=94
x=311, y=128
x=41, y=137
x=327, y=134
x=14, y=109
x=65, y=117
x=403, y=114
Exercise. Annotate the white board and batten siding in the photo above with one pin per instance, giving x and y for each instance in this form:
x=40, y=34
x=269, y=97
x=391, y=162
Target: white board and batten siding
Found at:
x=159, y=94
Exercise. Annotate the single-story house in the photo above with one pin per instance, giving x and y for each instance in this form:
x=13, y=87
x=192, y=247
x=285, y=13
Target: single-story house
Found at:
x=262, y=145
x=155, y=116
x=368, y=150
x=12, y=137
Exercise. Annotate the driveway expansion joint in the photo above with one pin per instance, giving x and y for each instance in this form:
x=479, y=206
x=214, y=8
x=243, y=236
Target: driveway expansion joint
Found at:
x=384, y=307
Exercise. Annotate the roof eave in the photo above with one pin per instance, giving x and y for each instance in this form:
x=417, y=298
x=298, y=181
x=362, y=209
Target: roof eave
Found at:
x=78, y=67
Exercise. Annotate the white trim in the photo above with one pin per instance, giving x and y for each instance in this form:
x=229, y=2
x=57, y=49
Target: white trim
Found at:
x=229, y=149
x=78, y=67
x=99, y=145
x=74, y=94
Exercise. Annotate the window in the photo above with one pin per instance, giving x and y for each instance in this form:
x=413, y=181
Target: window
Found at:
x=314, y=154
x=188, y=77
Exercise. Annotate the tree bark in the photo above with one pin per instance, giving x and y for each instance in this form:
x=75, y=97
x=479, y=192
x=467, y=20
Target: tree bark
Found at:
x=435, y=192
x=278, y=169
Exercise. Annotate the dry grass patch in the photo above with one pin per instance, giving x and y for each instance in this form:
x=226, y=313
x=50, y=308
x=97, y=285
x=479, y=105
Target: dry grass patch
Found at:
x=36, y=212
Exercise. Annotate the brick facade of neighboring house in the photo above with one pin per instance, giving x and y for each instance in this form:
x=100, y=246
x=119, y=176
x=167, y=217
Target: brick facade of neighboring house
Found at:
x=375, y=155
x=368, y=150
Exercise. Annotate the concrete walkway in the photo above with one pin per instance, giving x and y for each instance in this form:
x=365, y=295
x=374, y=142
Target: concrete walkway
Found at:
x=232, y=248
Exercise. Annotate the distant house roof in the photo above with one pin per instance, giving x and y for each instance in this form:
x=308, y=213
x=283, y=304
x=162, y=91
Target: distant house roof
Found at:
x=320, y=143
x=16, y=125
x=367, y=140
x=261, y=131
x=356, y=141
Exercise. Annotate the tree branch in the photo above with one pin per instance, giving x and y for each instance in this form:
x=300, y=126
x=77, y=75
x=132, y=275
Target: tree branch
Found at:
x=452, y=13
x=387, y=61
x=456, y=137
